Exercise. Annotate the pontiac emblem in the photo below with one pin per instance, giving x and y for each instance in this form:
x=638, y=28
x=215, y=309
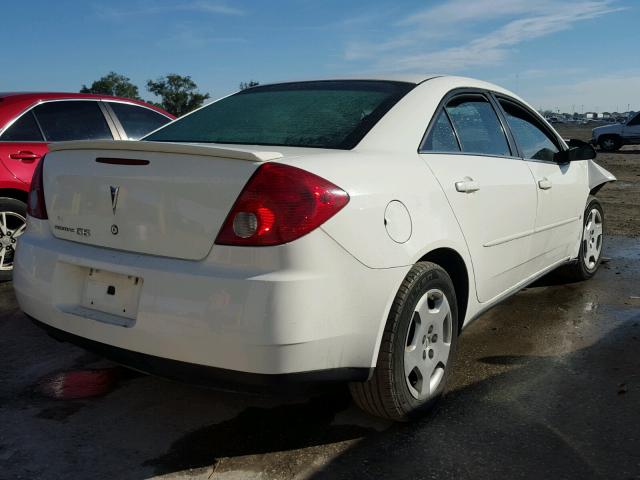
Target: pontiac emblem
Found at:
x=114, y=198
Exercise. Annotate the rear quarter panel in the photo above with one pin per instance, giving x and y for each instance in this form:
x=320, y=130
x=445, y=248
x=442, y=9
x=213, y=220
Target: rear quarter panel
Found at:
x=374, y=180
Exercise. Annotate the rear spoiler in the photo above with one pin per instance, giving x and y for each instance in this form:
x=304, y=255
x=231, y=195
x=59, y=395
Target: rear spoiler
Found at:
x=166, y=147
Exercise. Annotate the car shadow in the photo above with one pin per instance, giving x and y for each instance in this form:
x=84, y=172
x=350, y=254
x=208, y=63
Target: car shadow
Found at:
x=260, y=430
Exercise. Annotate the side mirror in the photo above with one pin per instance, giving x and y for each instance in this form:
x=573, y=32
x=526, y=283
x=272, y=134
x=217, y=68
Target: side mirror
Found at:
x=578, y=150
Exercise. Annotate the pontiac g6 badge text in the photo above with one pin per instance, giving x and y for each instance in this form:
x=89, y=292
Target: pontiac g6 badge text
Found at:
x=114, y=198
x=82, y=232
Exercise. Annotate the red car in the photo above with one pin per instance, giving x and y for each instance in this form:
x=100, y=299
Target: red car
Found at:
x=30, y=121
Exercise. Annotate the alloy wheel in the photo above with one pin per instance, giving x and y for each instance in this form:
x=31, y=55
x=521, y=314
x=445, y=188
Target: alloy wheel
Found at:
x=592, y=239
x=12, y=225
x=428, y=344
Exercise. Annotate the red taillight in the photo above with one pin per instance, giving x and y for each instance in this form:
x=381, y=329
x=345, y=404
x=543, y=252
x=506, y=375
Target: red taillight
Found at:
x=35, y=204
x=279, y=204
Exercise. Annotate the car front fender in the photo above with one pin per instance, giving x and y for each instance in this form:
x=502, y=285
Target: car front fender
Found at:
x=598, y=176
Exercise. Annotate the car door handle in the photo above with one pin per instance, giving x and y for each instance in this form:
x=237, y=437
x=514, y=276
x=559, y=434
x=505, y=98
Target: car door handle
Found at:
x=544, y=184
x=25, y=156
x=467, y=186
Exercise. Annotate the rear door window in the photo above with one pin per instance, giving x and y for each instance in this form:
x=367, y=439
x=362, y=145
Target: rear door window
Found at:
x=441, y=137
x=72, y=120
x=477, y=125
x=25, y=129
x=138, y=121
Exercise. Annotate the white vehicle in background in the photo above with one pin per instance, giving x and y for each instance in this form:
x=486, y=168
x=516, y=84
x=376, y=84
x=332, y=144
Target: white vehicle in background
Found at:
x=611, y=137
x=341, y=230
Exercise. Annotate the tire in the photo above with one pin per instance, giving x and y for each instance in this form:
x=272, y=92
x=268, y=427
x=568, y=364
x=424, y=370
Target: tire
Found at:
x=428, y=344
x=13, y=214
x=609, y=143
x=591, y=243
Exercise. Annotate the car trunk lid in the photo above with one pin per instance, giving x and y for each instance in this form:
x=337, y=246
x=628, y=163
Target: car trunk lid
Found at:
x=145, y=197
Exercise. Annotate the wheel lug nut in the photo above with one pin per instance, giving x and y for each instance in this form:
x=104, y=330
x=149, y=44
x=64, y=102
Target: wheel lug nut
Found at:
x=430, y=353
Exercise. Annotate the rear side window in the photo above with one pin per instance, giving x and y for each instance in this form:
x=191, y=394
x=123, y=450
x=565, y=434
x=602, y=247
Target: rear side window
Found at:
x=137, y=121
x=477, y=125
x=25, y=129
x=441, y=137
x=72, y=120
x=326, y=114
x=533, y=141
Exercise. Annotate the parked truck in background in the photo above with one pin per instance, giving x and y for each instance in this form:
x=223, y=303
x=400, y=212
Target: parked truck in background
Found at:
x=611, y=137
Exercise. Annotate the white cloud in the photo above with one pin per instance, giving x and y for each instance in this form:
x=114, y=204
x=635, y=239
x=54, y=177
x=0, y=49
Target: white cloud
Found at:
x=143, y=8
x=525, y=21
x=457, y=11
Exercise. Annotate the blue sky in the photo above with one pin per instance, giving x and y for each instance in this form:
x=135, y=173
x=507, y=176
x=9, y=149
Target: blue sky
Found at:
x=581, y=54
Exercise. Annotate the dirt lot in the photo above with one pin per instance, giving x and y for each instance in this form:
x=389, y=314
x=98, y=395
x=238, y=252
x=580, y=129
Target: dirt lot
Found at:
x=546, y=385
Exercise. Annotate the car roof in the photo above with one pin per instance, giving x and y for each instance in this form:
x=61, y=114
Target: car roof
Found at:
x=13, y=104
x=385, y=77
x=415, y=78
x=21, y=96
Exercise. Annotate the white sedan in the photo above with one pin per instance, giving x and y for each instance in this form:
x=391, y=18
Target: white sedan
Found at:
x=338, y=230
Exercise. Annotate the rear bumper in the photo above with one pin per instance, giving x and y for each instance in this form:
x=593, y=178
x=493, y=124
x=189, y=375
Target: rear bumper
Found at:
x=308, y=306
x=218, y=378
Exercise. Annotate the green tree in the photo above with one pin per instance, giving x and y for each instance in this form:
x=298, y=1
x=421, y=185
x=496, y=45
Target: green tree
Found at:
x=249, y=84
x=113, y=84
x=179, y=94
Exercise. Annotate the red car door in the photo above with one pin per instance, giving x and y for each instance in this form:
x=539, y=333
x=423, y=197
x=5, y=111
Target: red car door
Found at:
x=21, y=158
x=21, y=147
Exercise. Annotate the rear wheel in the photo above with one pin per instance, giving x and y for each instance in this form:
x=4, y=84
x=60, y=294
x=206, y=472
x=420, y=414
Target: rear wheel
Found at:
x=418, y=345
x=610, y=143
x=13, y=214
x=591, y=243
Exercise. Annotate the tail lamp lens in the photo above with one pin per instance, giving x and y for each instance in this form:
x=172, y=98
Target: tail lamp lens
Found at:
x=279, y=204
x=36, y=206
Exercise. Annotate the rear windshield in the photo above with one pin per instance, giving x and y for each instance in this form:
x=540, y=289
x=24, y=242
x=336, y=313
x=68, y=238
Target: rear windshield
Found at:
x=326, y=114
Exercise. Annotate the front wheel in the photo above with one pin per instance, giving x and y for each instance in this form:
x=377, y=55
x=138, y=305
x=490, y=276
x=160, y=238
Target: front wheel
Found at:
x=591, y=243
x=610, y=143
x=13, y=218
x=417, y=348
